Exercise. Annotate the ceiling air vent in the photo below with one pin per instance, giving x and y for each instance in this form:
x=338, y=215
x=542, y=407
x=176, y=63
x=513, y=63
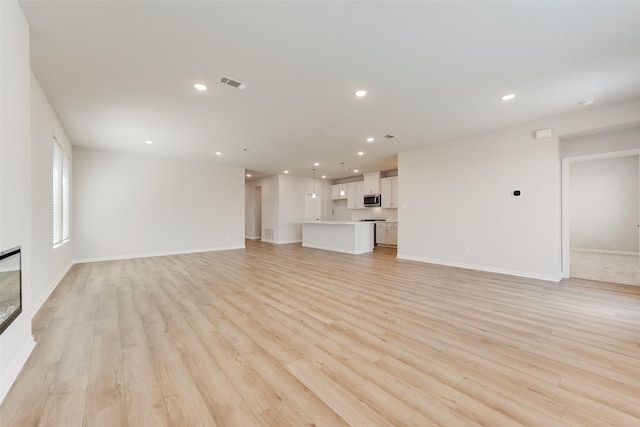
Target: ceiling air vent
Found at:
x=233, y=83
x=389, y=136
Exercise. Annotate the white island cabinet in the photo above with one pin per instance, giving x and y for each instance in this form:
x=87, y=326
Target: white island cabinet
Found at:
x=339, y=236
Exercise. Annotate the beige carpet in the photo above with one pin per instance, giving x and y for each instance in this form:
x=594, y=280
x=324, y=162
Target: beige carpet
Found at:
x=624, y=269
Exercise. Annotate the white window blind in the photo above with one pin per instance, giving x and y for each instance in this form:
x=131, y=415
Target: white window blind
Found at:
x=61, y=193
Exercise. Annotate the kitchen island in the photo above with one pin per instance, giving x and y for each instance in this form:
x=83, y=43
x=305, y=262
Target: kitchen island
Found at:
x=350, y=237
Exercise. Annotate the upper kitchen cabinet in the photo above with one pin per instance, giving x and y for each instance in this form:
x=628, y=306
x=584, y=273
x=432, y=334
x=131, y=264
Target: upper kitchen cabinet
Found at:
x=355, y=193
x=389, y=192
x=335, y=192
x=372, y=183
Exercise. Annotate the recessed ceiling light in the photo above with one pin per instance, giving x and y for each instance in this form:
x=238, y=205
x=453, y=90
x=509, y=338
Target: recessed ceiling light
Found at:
x=587, y=102
x=200, y=87
x=248, y=175
x=286, y=171
x=148, y=142
x=369, y=139
x=360, y=153
x=218, y=153
x=316, y=164
x=360, y=93
x=355, y=170
x=508, y=97
x=324, y=177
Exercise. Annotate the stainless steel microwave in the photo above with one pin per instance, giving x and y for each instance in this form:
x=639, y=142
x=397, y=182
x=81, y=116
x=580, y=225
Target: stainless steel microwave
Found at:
x=371, y=200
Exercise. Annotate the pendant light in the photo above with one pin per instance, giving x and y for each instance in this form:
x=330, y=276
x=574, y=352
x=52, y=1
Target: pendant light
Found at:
x=342, y=193
x=314, y=195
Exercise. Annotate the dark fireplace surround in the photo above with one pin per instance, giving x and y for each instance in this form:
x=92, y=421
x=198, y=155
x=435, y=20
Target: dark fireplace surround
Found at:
x=10, y=287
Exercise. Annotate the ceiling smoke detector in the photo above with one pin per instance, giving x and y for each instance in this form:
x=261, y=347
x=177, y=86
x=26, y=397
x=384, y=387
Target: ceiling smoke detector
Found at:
x=233, y=83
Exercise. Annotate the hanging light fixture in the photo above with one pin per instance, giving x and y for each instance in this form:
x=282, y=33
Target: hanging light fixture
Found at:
x=342, y=193
x=314, y=195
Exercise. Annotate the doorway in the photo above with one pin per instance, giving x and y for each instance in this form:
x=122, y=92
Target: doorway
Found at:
x=601, y=216
x=257, y=214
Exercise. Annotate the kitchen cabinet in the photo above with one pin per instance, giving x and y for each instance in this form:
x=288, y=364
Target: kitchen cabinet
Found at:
x=387, y=233
x=352, y=237
x=355, y=195
x=389, y=192
x=335, y=192
x=372, y=183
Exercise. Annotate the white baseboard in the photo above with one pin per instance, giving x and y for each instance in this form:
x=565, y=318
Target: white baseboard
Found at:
x=604, y=251
x=15, y=366
x=528, y=275
x=156, y=254
x=253, y=237
x=43, y=298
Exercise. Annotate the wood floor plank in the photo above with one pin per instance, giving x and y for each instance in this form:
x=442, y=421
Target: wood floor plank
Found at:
x=226, y=405
x=301, y=400
x=352, y=410
x=280, y=335
x=185, y=404
x=144, y=401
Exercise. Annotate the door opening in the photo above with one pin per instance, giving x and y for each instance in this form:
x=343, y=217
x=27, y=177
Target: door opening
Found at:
x=257, y=203
x=601, y=217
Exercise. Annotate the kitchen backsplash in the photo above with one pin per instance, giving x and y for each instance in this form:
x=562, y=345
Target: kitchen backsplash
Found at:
x=341, y=213
x=377, y=213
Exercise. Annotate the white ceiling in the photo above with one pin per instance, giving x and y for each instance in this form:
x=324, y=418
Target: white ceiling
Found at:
x=121, y=72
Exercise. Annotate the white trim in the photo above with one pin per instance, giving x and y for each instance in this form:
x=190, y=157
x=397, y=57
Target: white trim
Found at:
x=156, y=254
x=607, y=155
x=15, y=367
x=43, y=298
x=528, y=275
x=284, y=242
x=604, y=251
x=566, y=165
x=252, y=237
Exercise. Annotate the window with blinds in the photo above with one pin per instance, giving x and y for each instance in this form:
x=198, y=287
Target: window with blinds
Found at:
x=61, y=193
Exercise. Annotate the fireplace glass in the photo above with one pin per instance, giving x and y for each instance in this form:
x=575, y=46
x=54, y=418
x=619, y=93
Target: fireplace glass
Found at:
x=10, y=287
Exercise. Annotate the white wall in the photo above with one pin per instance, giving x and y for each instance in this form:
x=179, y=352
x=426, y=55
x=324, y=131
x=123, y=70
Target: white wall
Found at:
x=293, y=190
x=283, y=205
x=16, y=342
x=456, y=197
x=604, y=204
x=50, y=264
x=604, y=141
x=130, y=205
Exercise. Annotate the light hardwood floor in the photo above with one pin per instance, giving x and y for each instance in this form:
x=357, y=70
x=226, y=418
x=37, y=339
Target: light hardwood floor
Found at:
x=280, y=335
